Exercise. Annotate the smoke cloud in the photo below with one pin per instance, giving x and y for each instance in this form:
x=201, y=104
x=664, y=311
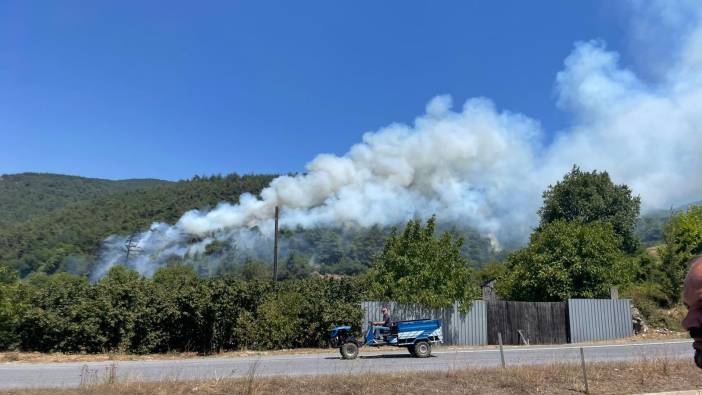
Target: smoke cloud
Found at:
x=479, y=166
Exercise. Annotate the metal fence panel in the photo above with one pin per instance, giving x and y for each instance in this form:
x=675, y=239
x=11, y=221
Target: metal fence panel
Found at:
x=588, y=319
x=599, y=319
x=468, y=328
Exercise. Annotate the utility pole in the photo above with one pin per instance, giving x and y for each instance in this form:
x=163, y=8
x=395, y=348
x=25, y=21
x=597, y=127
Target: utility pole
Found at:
x=275, y=246
x=131, y=247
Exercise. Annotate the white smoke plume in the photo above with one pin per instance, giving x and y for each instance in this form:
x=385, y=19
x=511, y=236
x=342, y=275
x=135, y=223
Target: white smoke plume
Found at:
x=486, y=168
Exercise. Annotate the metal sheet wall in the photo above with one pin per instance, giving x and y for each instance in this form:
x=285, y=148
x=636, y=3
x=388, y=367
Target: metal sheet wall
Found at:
x=599, y=319
x=458, y=328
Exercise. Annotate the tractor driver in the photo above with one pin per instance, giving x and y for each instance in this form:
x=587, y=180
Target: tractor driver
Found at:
x=384, y=325
x=692, y=296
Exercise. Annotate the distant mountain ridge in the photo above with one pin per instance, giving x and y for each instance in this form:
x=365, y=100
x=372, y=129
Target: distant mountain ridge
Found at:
x=25, y=196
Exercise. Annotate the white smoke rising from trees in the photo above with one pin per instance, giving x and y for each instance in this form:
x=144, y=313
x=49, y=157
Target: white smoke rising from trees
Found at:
x=487, y=168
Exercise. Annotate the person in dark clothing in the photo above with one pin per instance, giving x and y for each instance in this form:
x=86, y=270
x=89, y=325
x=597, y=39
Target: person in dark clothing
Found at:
x=383, y=327
x=692, y=297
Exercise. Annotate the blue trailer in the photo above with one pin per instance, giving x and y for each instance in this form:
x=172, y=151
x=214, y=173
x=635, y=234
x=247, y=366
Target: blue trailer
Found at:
x=417, y=336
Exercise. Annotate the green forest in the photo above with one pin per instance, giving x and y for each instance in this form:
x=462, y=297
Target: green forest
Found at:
x=67, y=237
x=589, y=238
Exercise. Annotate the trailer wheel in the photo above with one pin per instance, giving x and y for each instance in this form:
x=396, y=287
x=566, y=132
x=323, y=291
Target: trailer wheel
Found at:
x=422, y=349
x=349, y=350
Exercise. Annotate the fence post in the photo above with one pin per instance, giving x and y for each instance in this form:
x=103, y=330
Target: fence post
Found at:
x=582, y=362
x=502, y=353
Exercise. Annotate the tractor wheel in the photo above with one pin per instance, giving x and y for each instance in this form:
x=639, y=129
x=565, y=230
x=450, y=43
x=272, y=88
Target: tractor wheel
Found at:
x=411, y=350
x=422, y=349
x=349, y=350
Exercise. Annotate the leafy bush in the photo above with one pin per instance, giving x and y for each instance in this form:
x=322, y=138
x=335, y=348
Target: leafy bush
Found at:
x=564, y=260
x=683, y=241
x=417, y=267
x=174, y=311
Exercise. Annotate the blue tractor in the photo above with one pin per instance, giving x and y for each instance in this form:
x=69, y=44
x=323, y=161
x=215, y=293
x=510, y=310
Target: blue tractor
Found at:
x=417, y=336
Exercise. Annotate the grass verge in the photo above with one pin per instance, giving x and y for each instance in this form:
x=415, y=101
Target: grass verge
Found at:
x=603, y=378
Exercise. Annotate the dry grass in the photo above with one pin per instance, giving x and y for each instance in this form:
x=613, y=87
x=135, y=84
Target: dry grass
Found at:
x=609, y=378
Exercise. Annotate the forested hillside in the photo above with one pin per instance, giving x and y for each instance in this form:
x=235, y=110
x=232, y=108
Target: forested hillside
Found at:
x=28, y=195
x=68, y=238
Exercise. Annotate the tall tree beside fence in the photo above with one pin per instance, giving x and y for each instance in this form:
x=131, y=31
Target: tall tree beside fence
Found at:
x=417, y=267
x=564, y=260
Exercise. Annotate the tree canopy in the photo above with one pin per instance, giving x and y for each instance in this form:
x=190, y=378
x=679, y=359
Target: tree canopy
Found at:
x=67, y=239
x=417, y=267
x=28, y=195
x=67, y=236
x=565, y=259
x=683, y=240
x=592, y=196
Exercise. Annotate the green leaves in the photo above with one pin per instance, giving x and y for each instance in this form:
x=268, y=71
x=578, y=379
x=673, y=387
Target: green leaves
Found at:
x=417, y=267
x=589, y=197
x=174, y=311
x=68, y=235
x=564, y=260
x=683, y=240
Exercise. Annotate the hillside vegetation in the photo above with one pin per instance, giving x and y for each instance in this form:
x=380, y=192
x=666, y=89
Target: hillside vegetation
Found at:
x=67, y=238
x=582, y=247
x=29, y=195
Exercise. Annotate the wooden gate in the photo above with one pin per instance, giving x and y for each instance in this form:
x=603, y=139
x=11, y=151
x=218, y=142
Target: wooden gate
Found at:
x=538, y=322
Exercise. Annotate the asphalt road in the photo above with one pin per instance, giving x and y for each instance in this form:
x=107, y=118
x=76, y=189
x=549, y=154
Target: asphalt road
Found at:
x=27, y=375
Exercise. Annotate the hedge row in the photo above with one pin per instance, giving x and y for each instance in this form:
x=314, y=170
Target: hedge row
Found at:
x=173, y=311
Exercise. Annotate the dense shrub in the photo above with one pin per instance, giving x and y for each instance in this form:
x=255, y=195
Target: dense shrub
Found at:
x=175, y=311
x=683, y=241
x=564, y=260
x=416, y=266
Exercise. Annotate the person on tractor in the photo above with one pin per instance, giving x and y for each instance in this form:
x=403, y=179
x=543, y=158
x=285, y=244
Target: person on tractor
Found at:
x=692, y=297
x=383, y=327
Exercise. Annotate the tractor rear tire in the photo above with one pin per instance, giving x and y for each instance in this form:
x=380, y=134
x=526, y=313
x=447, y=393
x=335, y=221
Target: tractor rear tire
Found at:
x=422, y=349
x=349, y=350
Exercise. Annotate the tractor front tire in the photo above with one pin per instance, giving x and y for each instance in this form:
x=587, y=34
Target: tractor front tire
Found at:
x=422, y=349
x=349, y=350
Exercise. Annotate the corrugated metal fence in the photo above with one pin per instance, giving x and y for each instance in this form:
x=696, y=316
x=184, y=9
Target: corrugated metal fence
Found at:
x=599, y=319
x=458, y=328
x=587, y=320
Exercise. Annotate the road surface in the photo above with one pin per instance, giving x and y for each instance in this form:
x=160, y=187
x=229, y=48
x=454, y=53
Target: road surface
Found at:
x=73, y=374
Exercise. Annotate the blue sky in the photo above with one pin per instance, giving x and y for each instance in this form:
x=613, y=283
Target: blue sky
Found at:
x=173, y=89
